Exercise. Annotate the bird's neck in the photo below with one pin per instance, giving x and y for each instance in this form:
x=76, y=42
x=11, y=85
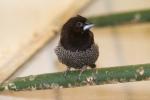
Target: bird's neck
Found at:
x=77, y=42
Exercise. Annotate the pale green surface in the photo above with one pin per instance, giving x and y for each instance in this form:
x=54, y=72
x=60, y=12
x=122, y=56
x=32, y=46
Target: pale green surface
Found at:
x=120, y=74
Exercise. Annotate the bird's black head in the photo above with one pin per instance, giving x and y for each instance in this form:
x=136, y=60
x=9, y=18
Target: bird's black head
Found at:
x=77, y=25
x=76, y=34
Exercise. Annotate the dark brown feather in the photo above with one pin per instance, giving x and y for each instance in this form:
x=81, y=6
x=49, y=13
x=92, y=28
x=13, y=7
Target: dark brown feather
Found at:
x=74, y=38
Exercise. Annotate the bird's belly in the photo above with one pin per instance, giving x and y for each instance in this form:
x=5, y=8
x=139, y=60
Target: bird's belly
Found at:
x=77, y=59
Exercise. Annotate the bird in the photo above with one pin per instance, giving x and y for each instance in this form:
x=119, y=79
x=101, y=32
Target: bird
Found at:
x=76, y=47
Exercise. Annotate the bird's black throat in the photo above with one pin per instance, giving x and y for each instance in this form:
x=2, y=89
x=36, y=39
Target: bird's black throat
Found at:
x=75, y=41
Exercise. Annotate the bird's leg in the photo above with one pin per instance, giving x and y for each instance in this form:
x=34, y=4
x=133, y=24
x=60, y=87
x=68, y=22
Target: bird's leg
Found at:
x=81, y=71
x=93, y=66
x=68, y=69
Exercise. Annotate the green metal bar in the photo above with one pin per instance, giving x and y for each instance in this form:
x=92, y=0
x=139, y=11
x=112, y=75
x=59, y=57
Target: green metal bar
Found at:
x=120, y=74
x=121, y=18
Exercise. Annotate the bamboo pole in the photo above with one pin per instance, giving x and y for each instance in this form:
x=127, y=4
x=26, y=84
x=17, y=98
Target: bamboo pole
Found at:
x=121, y=18
x=112, y=75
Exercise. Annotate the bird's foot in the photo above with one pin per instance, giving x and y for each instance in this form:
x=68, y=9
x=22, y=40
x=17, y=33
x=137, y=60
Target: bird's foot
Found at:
x=81, y=71
x=65, y=73
x=94, y=71
x=93, y=67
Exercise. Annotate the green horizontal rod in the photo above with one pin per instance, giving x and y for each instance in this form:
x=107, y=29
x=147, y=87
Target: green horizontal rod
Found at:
x=121, y=18
x=120, y=74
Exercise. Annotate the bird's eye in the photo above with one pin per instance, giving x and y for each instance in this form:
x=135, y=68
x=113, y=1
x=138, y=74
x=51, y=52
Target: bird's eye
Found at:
x=79, y=24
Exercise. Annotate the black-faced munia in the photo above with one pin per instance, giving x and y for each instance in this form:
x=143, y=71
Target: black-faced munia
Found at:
x=76, y=47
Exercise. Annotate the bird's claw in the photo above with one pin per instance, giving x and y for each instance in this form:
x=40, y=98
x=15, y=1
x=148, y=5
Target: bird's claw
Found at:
x=81, y=71
x=65, y=73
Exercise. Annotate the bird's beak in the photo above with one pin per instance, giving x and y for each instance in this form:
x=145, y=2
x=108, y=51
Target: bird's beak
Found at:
x=87, y=26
